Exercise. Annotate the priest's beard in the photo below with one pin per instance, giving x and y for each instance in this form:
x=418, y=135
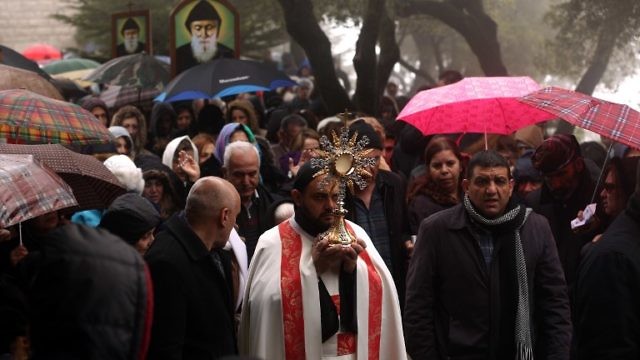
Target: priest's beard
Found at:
x=131, y=44
x=204, y=50
x=312, y=226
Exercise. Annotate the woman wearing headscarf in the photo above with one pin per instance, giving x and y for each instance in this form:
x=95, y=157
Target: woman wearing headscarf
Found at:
x=181, y=156
x=98, y=108
x=132, y=119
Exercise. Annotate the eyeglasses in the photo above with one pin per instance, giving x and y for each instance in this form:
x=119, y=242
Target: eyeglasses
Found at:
x=609, y=187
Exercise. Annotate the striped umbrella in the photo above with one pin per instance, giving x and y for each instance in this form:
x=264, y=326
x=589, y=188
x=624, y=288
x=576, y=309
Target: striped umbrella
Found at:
x=28, y=190
x=29, y=118
x=94, y=186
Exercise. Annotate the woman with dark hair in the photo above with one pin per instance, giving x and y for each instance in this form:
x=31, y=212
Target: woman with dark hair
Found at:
x=243, y=112
x=97, y=108
x=439, y=188
x=159, y=190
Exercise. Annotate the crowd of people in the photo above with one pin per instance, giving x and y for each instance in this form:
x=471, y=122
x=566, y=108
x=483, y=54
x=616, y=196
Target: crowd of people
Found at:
x=220, y=248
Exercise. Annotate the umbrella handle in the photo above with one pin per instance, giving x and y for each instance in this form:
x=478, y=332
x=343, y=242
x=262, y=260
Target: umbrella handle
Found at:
x=604, y=166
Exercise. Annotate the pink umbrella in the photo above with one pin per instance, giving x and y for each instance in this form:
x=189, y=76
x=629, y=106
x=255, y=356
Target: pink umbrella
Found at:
x=474, y=105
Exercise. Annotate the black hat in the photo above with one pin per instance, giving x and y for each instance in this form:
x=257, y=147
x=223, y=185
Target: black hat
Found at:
x=364, y=129
x=202, y=11
x=130, y=216
x=304, y=176
x=130, y=24
x=555, y=153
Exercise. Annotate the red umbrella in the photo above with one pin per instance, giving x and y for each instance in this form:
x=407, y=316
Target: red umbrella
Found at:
x=474, y=105
x=614, y=121
x=28, y=190
x=42, y=52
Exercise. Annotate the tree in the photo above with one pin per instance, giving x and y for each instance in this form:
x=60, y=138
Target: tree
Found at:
x=589, y=33
x=468, y=18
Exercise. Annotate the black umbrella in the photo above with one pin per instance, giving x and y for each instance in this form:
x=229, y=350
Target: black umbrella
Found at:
x=224, y=77
x=10, y=57
x=139, y=70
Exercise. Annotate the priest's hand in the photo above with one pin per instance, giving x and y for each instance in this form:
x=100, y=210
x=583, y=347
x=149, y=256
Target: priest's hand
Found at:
x=325, y=256
x=351, y=255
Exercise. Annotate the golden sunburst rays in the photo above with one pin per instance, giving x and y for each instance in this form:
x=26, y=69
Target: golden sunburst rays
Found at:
x=344, y=159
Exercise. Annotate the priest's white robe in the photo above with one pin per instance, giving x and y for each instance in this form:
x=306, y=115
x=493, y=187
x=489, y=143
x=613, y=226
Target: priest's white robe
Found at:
x=281, y=308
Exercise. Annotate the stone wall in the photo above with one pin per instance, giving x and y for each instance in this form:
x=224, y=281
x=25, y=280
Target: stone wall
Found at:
x=26, y=22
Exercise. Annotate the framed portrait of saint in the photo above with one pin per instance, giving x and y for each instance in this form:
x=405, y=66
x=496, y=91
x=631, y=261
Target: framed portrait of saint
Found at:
x=202, y=30
x=130, y=33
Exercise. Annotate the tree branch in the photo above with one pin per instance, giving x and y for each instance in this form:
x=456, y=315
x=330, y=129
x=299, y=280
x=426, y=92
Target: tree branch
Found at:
x=425, y=75
x=303, y=27
x=468, y=18
x=365, y=58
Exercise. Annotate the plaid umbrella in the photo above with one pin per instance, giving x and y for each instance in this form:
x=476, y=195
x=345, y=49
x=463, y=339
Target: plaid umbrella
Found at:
x=94, y=186
x=15, y=78
x=117, y=96
x=132, y=70
x=28, y=190
x=26, y=117
x=614, y=121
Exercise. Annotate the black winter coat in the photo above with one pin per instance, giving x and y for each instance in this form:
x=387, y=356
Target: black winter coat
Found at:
x=193, y=313
x=607, y=294
x=559, y=214
x=90, y=296
x=455, y=308
x=392, y=188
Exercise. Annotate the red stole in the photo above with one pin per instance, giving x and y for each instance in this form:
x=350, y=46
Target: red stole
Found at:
x=291, y=292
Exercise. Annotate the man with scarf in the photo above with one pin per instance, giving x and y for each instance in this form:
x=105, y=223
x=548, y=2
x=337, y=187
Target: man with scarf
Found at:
x=608, y=290
x=485, y=281
x=307, y=299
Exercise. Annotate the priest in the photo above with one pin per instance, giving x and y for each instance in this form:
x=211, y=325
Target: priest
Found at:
x=306, y=299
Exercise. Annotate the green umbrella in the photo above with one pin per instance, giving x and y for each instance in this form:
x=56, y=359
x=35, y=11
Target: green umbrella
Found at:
x=66, y=65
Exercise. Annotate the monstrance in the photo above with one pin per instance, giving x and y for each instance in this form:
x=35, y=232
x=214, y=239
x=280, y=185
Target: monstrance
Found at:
x=345, y=161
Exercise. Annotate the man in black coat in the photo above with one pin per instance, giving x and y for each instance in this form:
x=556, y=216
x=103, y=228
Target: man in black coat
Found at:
x=567, y=189
x=89, y=295
x=242, y=168
x=485, y=281
x=381, y=211
x=193, y=313
x=607, y=317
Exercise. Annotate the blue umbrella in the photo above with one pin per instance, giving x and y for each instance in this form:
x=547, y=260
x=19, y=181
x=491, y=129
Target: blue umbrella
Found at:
x=224, y=77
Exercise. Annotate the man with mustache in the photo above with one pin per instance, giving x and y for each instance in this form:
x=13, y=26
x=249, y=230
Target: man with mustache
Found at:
x=567, y=189
x=130, y=33
x=308, y=299
x=485, y=281
x=203, y=24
